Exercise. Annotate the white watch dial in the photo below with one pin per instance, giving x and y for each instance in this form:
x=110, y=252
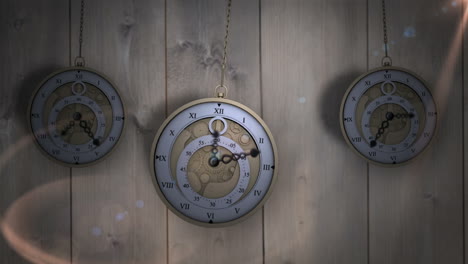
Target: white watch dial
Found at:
x=388, y=116
x=76, y=116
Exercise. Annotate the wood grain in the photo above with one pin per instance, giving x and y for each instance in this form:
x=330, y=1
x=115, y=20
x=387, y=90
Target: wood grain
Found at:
x=117, y=216
x=311, y=52
x=416, y=210
x=465, y=124
x=34, y=192
x=194, y=52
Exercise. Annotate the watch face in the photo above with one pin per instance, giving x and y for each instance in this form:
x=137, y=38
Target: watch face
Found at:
x=76, y=116
x=214, y=162
x=388, y=116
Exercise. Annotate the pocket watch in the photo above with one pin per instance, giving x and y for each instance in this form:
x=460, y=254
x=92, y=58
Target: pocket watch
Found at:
x=388, y=115
x=76, y=116
x=214, y=162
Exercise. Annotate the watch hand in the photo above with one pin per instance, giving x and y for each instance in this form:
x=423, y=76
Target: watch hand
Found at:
x=405, y=115
x=389, y=116
x=226, y=158
x=214, y=150
x=87, y=129
x=385, y=124
x=76, y=117
x=214, y=161
x=70, y=125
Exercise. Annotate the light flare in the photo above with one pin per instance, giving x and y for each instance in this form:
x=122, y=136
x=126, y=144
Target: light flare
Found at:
x=445, y=80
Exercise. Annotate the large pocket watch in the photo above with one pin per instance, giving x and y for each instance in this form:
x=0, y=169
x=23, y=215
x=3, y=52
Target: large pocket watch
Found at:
x=76, y=116
x=214, y=162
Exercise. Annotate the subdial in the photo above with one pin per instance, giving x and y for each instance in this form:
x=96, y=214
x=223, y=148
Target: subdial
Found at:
x=209, y=176
x=390, y=124
x=229, y=187
x=77, y=121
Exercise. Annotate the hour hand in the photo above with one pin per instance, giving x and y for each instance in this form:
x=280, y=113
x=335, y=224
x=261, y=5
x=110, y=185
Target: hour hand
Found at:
x=384, y=125
x=68, y=127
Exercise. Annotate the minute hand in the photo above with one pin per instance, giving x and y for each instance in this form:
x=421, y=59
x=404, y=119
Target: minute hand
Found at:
x=226, y=158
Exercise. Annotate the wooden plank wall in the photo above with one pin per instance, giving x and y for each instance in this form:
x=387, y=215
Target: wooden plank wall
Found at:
x=308, y=61
x=416, y=211
x=116, y=214
x=194, y=55
x=290, y=61
x=34, y=192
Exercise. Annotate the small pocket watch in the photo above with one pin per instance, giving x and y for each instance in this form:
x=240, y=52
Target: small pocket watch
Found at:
x=388, y=115
x=76, y=116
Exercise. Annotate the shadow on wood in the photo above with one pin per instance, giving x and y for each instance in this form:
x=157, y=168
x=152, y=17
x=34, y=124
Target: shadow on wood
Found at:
x=330, y=103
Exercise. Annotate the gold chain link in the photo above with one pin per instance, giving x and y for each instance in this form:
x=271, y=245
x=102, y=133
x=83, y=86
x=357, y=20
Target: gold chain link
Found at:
x=223, y=65
x=79, y=60
x=386, y=60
